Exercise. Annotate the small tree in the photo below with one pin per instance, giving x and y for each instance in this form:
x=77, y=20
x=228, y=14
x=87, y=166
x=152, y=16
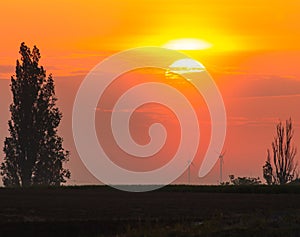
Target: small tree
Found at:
x=280, y=167
x=268, y=170
x=34, y=154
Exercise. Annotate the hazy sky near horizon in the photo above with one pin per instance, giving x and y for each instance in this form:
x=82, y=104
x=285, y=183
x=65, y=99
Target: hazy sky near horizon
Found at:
x=254, y=58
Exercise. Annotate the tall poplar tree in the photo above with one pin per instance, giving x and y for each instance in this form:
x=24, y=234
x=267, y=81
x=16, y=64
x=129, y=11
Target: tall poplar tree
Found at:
x=34, y=154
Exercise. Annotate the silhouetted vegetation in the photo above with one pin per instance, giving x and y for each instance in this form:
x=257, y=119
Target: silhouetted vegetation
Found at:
x=280, y=167
x=34, y=154
x=244, y=180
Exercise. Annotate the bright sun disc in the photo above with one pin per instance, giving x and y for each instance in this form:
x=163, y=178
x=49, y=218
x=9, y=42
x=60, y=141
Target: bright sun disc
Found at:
x=187, y=44
x=185, y=65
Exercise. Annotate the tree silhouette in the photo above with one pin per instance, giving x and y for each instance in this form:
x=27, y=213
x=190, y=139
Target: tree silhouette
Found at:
x=281, y=169
x=268, y=170
x=34, y=154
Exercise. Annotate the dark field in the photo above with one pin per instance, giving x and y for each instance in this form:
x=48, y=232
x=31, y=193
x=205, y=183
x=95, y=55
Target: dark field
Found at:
x=171, y=211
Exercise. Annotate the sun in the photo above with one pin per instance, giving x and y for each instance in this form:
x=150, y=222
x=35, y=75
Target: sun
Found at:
x=187, y=44
x=184, y=66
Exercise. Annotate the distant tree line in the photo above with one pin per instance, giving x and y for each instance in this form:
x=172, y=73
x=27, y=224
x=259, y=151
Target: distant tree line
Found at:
x=242, y=180
x=34, y=154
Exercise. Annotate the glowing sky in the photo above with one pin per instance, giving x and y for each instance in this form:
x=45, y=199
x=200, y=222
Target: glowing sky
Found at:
x=254, y=57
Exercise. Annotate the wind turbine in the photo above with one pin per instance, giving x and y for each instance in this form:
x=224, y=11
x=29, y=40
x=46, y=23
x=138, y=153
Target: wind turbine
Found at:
x=189, y=163
x=221, y=160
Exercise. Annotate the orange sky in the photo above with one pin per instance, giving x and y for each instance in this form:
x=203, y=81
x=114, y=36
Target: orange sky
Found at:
x=254, y=59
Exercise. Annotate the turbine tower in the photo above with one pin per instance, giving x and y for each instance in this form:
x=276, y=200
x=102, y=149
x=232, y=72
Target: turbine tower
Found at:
x=221, y=160
x=189, y=163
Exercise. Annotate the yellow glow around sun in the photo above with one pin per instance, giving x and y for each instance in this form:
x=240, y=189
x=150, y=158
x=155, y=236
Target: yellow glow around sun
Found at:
x=187, y=44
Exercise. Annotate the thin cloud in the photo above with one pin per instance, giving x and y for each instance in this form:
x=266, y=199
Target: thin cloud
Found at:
x=243, y=121
x=7, y=69
x=151, y=112
x=269, y=86
x=79, y=72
